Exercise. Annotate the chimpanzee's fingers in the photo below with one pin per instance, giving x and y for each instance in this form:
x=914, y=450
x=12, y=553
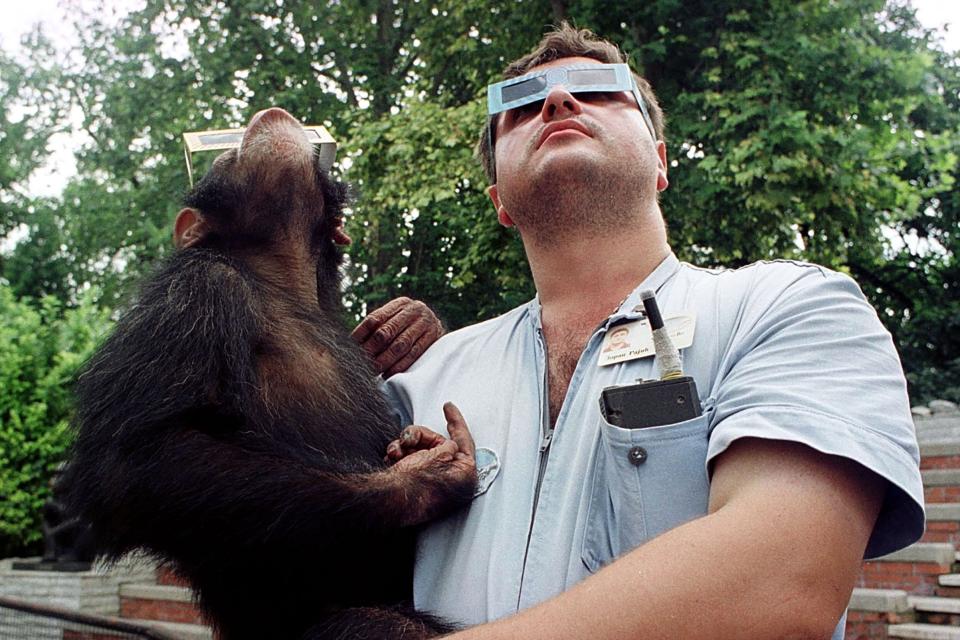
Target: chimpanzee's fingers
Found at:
x=376, y=318
x=390, y=341
x=459, y=432
x=431, y=332
x=415, y=437
x=394, y=452
x=404, y=350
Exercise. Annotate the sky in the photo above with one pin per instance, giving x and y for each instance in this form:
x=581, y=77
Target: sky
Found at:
x=19, y=17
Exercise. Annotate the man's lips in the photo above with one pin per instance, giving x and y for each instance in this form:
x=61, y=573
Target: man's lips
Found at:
x=563, y=125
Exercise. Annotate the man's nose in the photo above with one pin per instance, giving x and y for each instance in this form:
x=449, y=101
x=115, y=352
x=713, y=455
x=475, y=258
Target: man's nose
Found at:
x=559, y=103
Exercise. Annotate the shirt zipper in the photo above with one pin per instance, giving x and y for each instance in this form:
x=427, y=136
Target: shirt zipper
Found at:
x=544, y=453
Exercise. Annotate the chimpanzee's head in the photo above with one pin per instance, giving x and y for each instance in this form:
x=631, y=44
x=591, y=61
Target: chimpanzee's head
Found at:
x=269, y=192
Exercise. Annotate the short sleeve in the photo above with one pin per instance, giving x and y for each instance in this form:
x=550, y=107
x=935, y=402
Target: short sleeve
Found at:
x=810, y=362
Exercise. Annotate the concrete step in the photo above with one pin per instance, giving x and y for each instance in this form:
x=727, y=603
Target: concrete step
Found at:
x=915, y=569
x=941, y=553
x=944, y=512
x=949, y=580
x=948, y=585
x=938, y=444
x=158, y=602
x=943, y=523
x=879, y=600
x=181, y=630
x=932, y=604
x=919, y=631
x=941, y=485
x=940, y=477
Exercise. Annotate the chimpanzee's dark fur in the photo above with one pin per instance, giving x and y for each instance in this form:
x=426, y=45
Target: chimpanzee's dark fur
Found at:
x=238, y=434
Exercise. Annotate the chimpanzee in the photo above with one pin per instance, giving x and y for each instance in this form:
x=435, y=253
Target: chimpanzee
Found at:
x=230, y=426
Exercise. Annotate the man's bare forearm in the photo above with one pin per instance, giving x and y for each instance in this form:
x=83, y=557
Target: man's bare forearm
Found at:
x=774, y=560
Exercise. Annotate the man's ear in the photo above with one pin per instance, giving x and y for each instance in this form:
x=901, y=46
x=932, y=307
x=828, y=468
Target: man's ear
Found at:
x=662, y=182
x=502, y=215
x=188, y=229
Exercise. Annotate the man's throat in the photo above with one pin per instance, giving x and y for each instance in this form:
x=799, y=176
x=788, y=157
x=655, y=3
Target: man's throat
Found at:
x=564, y=347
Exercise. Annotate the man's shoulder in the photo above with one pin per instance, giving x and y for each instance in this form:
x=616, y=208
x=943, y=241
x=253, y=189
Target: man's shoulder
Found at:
x=787, y=270
x=477, y=337
x=769, y=280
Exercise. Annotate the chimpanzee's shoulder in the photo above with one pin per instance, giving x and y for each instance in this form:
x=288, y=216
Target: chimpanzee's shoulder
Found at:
x=191, y=279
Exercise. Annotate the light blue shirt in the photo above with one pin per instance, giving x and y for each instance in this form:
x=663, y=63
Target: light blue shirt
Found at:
x=782, y=350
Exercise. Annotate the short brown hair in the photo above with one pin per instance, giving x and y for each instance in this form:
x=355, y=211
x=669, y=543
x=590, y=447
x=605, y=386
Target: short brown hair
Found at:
x=566, y=42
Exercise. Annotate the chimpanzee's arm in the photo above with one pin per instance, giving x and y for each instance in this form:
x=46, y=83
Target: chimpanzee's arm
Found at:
x=196, y=485
x=167, y=453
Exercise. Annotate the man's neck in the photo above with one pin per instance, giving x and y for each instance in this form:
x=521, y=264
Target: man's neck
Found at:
x=582, y=280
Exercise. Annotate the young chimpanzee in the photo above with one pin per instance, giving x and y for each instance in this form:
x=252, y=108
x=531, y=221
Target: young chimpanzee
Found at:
x=230, y=426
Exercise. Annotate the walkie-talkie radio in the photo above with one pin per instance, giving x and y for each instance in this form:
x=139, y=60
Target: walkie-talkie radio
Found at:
x=652, y=403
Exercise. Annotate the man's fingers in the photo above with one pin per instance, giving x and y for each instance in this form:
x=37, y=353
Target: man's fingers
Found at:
x=376, y=318
x=459, y=432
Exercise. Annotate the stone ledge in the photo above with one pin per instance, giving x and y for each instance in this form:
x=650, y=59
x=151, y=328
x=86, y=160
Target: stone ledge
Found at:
x=918, y=631
x=182, y=630
x=879, y=600
x=935, y=552
x=945, y=511
x=949, y=580
x=940, y=477
x=932, y=604
x=935, y=448
x=156, y=592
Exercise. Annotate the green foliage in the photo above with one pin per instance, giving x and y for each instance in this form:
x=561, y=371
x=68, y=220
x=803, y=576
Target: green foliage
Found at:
x=423, y=227
x=29, y=115
x=41, y=347
x=822, y=130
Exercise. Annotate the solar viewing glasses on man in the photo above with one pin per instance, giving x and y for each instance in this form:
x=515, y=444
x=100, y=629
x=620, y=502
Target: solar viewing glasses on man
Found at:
x=579, y=78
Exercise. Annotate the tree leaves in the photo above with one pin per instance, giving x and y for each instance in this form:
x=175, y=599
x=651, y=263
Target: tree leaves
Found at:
x=814, y=130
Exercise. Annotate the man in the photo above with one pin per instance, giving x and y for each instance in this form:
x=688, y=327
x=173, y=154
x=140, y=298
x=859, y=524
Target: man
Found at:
x=749, y=521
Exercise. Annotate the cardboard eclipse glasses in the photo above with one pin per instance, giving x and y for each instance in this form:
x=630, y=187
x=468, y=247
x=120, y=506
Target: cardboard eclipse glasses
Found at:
x=223, y=139
x=578, y=78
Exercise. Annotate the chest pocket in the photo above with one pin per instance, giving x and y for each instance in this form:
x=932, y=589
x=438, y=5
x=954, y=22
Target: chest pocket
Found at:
x=644, y=482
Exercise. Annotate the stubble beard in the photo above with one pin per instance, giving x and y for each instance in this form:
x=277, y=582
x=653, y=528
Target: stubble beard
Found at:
x=591, y=201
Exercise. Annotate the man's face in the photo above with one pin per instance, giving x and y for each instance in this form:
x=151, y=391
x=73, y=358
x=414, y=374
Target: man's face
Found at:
x=570, y=150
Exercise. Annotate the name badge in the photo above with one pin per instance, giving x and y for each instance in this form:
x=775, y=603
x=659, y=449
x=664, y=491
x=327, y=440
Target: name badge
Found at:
x=634, y=340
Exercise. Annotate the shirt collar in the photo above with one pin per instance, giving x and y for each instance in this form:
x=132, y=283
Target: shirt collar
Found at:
x=630, y=308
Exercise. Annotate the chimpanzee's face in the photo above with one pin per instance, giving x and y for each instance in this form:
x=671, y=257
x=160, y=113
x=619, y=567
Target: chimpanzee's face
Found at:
x=270, y=189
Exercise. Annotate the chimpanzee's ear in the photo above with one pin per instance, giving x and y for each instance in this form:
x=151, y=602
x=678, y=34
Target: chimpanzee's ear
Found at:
x=188, y=228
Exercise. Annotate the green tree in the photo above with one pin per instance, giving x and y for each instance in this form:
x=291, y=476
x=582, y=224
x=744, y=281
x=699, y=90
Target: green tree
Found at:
x=41, y=346
x=29, y=115
x=813, y=130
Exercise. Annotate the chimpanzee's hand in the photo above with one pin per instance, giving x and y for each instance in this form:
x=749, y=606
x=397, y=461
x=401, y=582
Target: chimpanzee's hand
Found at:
x=412, y=438
x=441, y=472
x=398, y=333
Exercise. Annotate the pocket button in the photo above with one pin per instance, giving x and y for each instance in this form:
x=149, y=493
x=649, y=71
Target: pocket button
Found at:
x=637, y=456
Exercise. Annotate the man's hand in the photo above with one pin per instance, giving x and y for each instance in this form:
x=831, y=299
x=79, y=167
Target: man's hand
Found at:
x=397, y=333
x=443, y=470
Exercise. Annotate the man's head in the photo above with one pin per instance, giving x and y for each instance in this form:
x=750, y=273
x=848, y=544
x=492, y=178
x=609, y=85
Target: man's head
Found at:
x=579, y=161
x=565, y=42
